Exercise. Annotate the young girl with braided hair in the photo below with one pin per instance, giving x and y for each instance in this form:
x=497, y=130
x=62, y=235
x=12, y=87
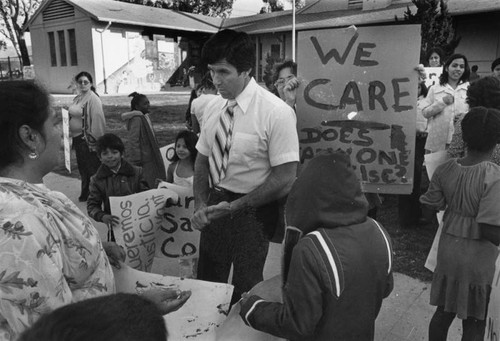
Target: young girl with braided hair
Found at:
x=468, y=190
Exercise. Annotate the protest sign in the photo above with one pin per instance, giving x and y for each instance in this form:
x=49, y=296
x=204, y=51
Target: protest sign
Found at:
x=140, y=217
x=177, y=242
x=167, y=152
x=234, y=328
x=66, y=141
x=432, y=161
x=433, y=74
x=201, y=315
x=493, y=316
x=360, y=96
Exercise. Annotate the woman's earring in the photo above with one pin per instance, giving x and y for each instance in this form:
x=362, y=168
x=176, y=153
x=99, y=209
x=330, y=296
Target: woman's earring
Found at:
x=33, y=155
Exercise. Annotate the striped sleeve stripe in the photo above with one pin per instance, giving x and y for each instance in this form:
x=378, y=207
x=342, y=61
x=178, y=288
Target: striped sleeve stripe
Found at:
x=388, y=245
x=328, y=258
x=249, y=312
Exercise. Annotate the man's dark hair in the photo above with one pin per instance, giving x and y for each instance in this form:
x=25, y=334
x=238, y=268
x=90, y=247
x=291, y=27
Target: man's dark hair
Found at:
x=110, y=141
x=107, y=318
x=236, y=47
x=485, y=92
x=285, y=65
x=24, y=103
x=481, y=129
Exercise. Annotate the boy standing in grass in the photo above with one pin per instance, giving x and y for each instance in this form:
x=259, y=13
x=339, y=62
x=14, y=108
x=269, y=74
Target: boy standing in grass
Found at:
x=115, y=177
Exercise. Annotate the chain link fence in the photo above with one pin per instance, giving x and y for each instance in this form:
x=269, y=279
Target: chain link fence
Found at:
x=11, y=68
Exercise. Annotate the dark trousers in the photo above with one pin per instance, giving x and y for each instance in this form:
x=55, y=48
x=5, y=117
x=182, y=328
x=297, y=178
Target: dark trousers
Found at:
x=239, y=240
x=87, y=162
x=409, y=205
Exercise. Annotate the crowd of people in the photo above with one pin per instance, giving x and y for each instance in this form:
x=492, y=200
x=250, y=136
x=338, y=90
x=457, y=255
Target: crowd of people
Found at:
x=241, y=158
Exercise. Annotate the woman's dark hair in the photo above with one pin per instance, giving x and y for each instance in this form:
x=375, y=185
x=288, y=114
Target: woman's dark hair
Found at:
x=494, y=64
x=89, y=77
x=136, y=97
x=423, y=89
x=192, y=97
x=24, y=103
x=443, y=79
x=236, y=47
x=107, y=318
x=286, y=64
x=436, y=50
x=485, y=92
x=190, y=139
x=110, y=141
x=481, y=129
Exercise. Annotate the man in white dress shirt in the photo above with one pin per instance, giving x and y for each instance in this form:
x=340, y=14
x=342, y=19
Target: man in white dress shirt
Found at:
x=236, y=191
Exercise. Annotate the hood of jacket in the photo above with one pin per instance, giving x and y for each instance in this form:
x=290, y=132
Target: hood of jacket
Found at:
x=327, y=194
x=128, y=115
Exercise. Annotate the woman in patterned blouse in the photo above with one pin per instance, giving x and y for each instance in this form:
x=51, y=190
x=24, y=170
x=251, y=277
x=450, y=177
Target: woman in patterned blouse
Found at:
x=50, y=253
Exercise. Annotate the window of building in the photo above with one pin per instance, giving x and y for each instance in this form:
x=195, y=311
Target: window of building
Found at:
x=276, y=51
x=72, y=47
x=62, y=48
x=52, y=46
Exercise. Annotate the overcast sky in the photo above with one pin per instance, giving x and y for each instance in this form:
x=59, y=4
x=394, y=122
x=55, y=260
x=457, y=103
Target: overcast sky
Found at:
x=250, y=7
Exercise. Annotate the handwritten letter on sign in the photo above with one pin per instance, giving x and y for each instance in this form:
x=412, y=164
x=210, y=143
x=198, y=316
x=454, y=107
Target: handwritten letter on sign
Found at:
x=359, y=95
x=66, y=140
x=140, y=217
x=178, y=242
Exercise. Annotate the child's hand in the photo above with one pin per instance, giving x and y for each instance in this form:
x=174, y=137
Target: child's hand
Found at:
x=110, y=220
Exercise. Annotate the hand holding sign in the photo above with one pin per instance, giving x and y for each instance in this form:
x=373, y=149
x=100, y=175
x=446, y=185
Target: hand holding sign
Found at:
x=116, y=253
x=110, y=220
x=290, y=91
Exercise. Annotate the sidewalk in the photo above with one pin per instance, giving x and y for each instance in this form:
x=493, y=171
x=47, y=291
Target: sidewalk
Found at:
x=405, y=314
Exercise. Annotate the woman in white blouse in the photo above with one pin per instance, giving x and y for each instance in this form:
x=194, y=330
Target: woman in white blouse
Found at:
x=446, y=102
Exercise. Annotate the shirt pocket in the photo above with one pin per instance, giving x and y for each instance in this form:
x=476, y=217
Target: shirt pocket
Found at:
x=244, y=147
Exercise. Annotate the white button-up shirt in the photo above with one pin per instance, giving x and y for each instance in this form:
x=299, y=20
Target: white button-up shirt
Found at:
x=264, y=136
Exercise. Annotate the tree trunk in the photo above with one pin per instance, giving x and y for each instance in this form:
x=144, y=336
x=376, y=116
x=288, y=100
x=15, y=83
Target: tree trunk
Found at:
x=25, y=56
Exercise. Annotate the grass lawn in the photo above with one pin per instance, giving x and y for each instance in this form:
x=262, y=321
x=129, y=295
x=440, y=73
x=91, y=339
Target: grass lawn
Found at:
x=167, y=114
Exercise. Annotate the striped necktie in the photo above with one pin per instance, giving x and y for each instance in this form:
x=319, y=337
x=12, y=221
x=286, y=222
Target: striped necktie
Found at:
x=222, y=144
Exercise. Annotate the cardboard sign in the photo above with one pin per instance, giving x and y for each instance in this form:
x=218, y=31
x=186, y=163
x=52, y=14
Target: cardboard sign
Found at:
x=140, y=217
x=433, y=74
x=234, y=328
x=199, y=318
x=66, y=140
x=493, y=316
x=359, y=95
x=167, y=152
x=177, y=242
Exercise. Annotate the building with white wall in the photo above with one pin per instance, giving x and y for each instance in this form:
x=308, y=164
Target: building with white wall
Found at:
x=130, y=47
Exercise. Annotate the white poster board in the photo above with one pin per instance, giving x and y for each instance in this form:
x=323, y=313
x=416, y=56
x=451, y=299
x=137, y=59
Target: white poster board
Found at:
x=234, y=328
x=432, y=161
x=66, y=139
x=169, y=150
x=433, y=74
x=140, y=216
x=357, y=95
x=177, y=242
x=493, y=318
x=201, y=315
